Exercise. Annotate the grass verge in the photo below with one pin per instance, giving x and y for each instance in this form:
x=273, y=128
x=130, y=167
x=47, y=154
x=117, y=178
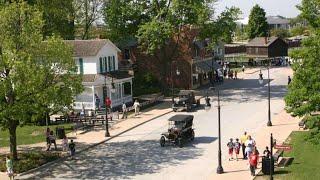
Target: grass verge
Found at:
x=29, y=160
x=306, y=161
x=30, y=134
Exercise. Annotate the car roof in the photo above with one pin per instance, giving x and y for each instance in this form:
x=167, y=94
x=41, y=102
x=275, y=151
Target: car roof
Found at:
x=181, y=117
x=185, y=92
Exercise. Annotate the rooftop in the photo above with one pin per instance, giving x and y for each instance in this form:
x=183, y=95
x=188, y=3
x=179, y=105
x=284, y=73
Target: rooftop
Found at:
x=277, y=20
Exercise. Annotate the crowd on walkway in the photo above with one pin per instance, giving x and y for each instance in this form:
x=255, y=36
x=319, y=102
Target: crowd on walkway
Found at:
x=249, y=151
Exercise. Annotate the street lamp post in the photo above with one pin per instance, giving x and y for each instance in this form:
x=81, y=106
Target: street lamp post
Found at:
x=219, y=168
x=269, y=99
x=271, y=157
x=177, y=73
x=107, y=103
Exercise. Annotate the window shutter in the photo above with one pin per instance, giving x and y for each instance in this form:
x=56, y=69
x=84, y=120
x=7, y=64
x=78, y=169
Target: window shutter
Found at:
x=101, y=66
x=105, y=64
x=114, y=63
x=81, y=65
x=109, y=63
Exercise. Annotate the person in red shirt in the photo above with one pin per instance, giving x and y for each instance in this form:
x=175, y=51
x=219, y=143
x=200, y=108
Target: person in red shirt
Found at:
x=253, y=161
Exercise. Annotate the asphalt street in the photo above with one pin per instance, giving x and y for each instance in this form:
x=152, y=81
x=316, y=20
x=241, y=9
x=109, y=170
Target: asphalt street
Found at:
x=138, y=155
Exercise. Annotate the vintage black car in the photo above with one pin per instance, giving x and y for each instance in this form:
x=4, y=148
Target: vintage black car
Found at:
x=186, y=101
x=180, y=131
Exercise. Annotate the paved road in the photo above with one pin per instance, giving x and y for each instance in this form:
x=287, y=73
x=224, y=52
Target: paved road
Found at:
x=137, y=154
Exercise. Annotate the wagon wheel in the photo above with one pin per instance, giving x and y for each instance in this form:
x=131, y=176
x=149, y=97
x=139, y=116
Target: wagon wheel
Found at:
x=192, y=135
x=179, y=143
x=162, y=141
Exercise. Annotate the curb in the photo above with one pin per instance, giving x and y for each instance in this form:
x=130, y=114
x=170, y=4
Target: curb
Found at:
x=89, y=147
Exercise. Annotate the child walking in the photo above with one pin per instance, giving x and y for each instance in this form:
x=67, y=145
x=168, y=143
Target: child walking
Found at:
x=9, y=165
x=72, y=148
x=230, y=146
x=65, y=143
x=237, y=148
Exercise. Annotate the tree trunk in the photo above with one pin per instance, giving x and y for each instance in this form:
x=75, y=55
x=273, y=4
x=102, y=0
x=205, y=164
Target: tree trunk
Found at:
x=13, y=141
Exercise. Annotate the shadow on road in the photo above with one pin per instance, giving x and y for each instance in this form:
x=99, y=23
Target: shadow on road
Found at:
x=122, y=160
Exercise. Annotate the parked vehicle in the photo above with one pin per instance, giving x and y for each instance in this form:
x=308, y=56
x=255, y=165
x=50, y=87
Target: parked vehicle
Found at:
x=186, y=101
x=180, y=131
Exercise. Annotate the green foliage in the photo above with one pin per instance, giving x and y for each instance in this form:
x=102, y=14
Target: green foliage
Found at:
x=145, y=83
x=257, y=26
x=310, y=11
x=303, y=97
x=299, y=30
x=313, y=123
x=30, y=160
x=281, y=33
x=58, y=17
x=35, y=76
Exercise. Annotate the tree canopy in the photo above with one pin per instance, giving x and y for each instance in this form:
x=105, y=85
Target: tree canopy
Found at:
x=35, y=76
x=257, y=26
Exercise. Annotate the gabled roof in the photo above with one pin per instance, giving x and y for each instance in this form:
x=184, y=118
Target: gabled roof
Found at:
x=261, y=41
x=85, y=48
x=277, y=20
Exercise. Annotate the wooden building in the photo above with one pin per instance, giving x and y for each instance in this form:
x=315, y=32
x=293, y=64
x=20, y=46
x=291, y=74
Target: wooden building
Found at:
x=267, y=47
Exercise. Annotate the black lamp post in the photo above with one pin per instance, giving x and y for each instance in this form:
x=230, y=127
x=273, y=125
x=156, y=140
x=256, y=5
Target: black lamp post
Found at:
x=271, y=157
x=219, y=168
x=269, y=106
x=177, y=73
x=107, y=134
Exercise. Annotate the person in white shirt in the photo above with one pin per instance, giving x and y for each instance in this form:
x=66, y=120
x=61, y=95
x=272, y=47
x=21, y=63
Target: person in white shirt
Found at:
x=250, y=143
x=124, y=111
x=136, y=106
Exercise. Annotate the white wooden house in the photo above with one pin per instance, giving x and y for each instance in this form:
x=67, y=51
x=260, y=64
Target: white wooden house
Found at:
x=97, y=61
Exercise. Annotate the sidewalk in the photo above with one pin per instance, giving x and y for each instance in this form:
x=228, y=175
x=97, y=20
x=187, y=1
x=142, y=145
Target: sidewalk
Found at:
x=97, y=136
x=283, y=125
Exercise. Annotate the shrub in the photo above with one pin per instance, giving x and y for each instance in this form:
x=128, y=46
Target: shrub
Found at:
x=313, y=123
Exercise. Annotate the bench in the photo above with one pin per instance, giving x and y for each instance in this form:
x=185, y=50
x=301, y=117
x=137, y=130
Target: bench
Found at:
x=285, y=161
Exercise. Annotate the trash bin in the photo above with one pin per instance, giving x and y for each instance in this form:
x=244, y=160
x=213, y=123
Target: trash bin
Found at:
x=60, y=132
x=266, y=166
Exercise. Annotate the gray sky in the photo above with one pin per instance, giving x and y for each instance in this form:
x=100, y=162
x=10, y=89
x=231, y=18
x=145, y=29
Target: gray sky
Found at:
x=272, y=7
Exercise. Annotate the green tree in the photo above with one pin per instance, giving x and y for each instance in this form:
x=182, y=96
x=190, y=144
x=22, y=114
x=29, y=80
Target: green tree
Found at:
x=257, y=26
x=281, y=33
x=160, y=25
x=34, y=75
x=310, y=10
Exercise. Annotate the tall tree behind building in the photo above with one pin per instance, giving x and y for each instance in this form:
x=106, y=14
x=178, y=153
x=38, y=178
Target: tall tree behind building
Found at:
x=257, y=26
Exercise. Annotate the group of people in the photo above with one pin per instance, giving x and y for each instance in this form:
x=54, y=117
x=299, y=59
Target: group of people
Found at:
x=136, y=106
x=249, y=150
x=51, y=139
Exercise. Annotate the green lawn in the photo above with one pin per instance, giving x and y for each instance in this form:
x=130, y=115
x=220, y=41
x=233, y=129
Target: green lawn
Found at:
x=306, y=163
x=29, y=134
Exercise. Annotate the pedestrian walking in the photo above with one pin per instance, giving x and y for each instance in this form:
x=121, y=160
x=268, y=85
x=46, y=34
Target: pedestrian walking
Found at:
x=243, y=140
x=65, y=143
x=72, y=148
x=124, y=111
x=136, y=106
x=289, y=80
x=243, y=67
x=9, y=166
x=230, y=149
x=235, y=75
x=253, y=161
x=250, y=145
x=47, y=133
x=52, y=139
x=97, y=101
x=266, y=152
x=236, y=148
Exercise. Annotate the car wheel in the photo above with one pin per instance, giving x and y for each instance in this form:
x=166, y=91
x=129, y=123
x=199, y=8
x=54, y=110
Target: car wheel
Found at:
x=162, y=141
x=180, y=143
x=192, y=135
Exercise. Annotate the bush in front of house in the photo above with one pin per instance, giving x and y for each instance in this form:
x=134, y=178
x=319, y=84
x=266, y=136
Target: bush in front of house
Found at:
x=145, y=83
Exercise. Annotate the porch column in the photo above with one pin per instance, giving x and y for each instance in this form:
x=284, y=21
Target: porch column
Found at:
x=121, y=90
x=93, y=98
